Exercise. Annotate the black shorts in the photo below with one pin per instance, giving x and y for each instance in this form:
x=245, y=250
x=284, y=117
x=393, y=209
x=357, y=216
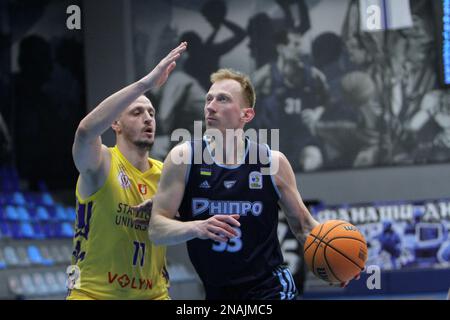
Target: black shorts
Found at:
x=278, y=285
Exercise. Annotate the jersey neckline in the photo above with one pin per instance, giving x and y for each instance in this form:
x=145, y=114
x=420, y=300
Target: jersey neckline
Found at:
x=247, y=145
x=151, y=162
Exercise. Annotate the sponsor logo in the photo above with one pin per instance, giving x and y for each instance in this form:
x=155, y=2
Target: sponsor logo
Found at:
x=229, y=184
x=243, y=208
x=204, y=185
x=255, y=180
x=125, y=281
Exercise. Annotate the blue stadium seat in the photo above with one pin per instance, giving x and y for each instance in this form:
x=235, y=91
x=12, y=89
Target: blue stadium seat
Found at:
x=22, y=254
x=61, y=277
x=28, y=285
x=15, y=286
x=39, y=198
x=11, y=213
x=11, y=256
x=41, y=214
x=41, y=286
x=71, y=214
x=60, y=213
x=18, y=198
x=27, y=231
x=47, y=199
x=66, y=230
x=35, y=256
x=22, y=214
x=52, y=282
x=46, y=254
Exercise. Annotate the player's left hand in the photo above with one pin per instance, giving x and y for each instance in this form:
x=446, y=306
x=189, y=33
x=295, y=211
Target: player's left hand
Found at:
x=143, y=212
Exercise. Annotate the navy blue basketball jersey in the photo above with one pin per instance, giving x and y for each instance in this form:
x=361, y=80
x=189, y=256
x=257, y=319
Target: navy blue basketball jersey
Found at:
x=286, y=105
x=242, y=189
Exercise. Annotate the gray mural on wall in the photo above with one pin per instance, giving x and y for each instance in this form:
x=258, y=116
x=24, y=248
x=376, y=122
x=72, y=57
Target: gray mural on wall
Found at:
x=342, y=96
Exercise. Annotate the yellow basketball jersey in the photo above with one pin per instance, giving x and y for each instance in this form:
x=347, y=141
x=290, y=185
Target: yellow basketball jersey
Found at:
x=114, y=256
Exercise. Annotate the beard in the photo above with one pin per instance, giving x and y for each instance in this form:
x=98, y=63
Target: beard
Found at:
x=144, y=144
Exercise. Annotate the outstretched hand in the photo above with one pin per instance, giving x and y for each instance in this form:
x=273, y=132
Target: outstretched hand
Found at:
x=158, y=76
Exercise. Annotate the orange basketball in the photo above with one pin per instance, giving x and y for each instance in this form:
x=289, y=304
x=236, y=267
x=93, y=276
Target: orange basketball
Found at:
x=335, y=251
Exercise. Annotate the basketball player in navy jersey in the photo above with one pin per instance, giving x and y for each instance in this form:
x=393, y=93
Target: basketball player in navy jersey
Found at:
x=228, y=209
x=290, y=88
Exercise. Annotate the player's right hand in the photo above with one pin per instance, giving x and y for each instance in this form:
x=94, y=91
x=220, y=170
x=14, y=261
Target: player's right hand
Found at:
x=218, y=228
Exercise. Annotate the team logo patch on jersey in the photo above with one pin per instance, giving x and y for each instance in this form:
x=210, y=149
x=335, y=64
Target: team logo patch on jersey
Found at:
x=142, y=189
x=123, y=180
x=204, y=185
x=255, y=180
x=205, y=171
x=229, y=184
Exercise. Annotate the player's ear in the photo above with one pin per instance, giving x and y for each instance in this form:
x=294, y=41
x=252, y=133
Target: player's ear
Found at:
x=247, y=114
x=116, y=126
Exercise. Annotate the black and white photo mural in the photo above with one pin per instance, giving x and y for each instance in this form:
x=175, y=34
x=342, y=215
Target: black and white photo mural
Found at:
x=348, y=83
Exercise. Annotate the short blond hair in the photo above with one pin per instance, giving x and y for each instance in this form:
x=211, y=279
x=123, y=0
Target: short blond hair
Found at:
x=246, y=85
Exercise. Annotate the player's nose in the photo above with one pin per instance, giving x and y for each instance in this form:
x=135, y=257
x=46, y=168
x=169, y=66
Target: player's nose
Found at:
x=211, y=108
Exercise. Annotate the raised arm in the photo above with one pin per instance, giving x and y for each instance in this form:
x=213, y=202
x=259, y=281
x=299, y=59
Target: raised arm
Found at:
x=230, y=43
x=164, y=229
x=300, y=220
x=90, y=156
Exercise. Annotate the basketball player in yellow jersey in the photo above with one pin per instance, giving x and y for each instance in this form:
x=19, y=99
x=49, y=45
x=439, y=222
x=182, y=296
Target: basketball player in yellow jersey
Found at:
x=112, y=256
